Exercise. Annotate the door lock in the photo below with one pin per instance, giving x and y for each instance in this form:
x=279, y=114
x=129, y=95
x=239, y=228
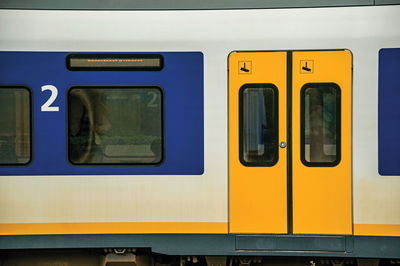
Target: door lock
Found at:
x=282, y=144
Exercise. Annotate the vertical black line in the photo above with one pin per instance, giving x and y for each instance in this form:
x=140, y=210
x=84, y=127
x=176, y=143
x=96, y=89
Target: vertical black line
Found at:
x=289, y=145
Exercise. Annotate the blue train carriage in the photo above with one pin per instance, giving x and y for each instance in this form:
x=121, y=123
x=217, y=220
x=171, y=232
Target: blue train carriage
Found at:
x=222, y=133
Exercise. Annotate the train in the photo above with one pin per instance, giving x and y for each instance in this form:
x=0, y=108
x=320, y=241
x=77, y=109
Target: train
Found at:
x=216, y=133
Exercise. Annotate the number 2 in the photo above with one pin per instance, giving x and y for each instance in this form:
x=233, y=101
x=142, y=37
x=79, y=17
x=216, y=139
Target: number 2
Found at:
x=152, y=102
x=46, y=107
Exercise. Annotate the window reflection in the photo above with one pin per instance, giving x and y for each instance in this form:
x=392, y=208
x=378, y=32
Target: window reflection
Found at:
x=115, y=125
x=15, y=132
x=321, y=123
x=259, y=126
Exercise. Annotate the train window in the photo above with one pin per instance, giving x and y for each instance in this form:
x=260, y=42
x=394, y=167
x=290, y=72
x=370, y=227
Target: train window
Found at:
x=15, y=126
x=320, y=124
x=115, y=125
x=258, y=124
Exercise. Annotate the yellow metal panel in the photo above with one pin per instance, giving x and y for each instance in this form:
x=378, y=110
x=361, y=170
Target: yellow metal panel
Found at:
x=322, y=195
x=257, y=195
x=113, y=228
x=377, y=229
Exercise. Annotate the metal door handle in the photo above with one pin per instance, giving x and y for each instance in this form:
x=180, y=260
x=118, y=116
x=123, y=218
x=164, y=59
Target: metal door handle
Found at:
x=282, y=144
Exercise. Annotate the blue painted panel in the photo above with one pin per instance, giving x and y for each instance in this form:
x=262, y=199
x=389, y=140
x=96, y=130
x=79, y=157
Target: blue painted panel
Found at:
x=181, y=80
x=389, y=112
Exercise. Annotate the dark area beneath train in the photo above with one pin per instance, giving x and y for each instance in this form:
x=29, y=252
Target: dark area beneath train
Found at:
x=144, y=257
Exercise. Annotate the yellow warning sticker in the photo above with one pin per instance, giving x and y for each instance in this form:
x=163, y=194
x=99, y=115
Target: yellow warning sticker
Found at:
x=245, y=67
x=306, y=66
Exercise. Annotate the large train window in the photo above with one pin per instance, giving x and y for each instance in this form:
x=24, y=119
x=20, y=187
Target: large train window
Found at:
x=15, y=126
x=320, y=124
x=115, y=125
x=258, y=124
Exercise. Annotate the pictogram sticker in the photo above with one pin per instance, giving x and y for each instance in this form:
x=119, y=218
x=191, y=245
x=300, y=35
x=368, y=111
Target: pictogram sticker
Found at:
x=306, y=66
x=245, y=67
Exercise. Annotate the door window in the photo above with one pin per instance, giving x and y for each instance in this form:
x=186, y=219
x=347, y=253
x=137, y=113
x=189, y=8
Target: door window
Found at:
x=320, y=124
x=258, y=124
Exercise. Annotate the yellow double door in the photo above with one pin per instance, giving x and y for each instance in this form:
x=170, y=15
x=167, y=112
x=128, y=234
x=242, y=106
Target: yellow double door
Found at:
x=290, y=142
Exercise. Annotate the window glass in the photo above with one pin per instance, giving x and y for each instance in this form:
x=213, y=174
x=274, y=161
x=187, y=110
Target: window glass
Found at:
x=121, y=125
x=15, y=129
x=258, y=124
x=321, y=124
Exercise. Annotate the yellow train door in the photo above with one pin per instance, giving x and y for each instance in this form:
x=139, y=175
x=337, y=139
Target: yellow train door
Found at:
x=257, y=123
x=322, y=142
x=290, y=142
